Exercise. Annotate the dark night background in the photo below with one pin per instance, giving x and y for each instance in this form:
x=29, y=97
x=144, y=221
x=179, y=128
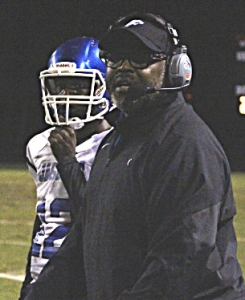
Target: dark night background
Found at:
x=31, y=30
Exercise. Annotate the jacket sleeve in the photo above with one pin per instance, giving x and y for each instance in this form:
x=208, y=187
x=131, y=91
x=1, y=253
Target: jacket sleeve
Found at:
x=189, y=206
x=74, y=181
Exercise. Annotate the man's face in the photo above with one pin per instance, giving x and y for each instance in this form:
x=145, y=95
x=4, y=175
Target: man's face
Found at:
x=124, y=80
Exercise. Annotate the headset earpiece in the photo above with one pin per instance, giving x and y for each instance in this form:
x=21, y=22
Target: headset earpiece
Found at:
x=179, y=69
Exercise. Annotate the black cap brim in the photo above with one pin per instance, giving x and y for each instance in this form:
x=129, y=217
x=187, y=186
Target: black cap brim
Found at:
x=152, y=37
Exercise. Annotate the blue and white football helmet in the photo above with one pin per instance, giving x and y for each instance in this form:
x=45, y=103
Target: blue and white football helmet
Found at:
x=75, y=76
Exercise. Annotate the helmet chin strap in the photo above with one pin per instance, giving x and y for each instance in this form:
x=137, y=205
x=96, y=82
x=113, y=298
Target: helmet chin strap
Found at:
x=77, y=125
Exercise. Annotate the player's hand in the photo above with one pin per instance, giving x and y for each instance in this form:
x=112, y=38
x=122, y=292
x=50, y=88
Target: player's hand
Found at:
x=63, y=142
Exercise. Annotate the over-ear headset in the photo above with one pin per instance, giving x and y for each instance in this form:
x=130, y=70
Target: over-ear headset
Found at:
x=178, y=65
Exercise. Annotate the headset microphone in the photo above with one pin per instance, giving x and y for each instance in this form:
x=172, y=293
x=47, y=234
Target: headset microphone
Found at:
x=138, y=90
x=150, y=90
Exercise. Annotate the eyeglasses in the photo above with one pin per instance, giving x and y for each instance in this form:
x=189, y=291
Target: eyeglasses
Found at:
x=137, y=61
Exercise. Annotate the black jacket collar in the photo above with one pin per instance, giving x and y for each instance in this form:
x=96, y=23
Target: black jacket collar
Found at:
x=143, y=121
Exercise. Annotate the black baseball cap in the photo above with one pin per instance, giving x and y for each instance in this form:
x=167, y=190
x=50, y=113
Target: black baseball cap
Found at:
x=150, y=35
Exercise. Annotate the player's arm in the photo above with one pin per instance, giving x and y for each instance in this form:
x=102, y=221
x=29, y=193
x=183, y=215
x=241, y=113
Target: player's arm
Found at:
x=28, y=278
x=36, y=226
x=63, y=144
x=63, y=276
x=74, y=181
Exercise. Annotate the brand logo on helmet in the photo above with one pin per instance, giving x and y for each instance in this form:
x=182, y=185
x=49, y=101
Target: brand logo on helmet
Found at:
x=134, y=23
x=99, y=91
x=63, y=65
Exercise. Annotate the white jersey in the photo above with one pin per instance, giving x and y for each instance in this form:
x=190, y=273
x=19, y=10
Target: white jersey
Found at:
x=53, y=206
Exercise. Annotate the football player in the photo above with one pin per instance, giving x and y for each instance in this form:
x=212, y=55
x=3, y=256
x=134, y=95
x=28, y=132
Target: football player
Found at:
x=74, y=98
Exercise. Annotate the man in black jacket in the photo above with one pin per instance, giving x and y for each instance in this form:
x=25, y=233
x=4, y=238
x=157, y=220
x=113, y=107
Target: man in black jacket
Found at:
x=157, y=213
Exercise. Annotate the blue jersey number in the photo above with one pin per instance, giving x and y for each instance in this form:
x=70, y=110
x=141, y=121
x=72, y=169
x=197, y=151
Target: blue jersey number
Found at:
x=44, y=242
